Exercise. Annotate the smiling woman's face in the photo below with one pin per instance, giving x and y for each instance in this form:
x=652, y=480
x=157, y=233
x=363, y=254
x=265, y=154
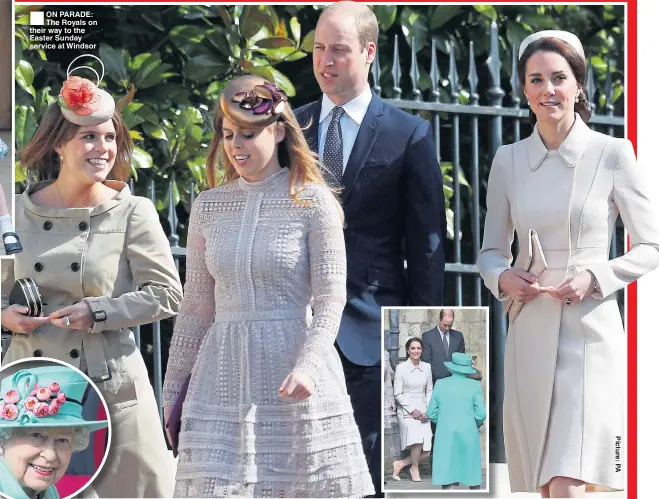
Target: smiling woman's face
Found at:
x=38, y=457
x=551, y=87
x=415, y=349
x=253, y=153
x=90, y=154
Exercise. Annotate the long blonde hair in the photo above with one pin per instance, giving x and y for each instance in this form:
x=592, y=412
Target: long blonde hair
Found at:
x=302, y=161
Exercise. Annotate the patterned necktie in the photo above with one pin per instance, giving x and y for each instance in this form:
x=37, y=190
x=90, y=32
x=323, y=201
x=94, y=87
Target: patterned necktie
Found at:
x=445, y=341
x=333, y=151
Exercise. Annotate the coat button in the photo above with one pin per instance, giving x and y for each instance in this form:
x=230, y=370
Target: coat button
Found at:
x=37, y=353
x=75, y=266
x=83, y=226
x=38, y=266
x=47, y=225
x=75, y=353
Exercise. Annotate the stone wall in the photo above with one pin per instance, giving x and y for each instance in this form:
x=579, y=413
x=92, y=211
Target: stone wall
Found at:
x=471, y=322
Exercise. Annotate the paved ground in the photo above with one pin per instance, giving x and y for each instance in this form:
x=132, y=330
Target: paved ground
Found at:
x=499, y=487
x=406, y=482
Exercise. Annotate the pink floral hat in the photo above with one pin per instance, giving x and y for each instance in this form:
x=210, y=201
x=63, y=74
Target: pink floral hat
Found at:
x=44, y=397
x=83, y=102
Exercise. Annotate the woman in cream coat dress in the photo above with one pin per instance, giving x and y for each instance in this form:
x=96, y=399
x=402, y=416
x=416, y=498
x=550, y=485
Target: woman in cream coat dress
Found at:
x=412, y=390
x=565, y=353
x=102, y=264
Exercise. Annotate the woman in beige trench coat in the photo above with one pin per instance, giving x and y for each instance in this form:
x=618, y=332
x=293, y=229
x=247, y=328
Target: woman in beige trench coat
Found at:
x=565, y=352
x=102, y=264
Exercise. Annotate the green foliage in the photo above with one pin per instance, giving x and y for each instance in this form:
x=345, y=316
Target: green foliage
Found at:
x=600, y=28
x=166, y=68
x=447, y=170
x=167, y=65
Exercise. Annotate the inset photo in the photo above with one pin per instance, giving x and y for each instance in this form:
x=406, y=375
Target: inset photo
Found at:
x=54, y=431
x=435, y=363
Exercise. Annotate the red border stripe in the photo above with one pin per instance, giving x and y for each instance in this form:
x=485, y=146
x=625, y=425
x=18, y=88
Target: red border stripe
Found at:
x=632, y=311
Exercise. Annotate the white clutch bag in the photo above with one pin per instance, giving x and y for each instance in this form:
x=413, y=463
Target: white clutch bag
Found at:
x=536, y=266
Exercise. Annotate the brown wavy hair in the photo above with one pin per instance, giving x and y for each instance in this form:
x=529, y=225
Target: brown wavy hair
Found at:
x=41, y=161
x=573, y=58
x=409, y=342
x=296, y=155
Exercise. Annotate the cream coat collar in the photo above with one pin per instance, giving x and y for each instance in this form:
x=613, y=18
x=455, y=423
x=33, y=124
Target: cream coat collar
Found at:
x=570, y=151
x=412, y=367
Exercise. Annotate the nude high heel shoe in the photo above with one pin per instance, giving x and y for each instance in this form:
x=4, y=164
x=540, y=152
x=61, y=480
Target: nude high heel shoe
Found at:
x=397, y=470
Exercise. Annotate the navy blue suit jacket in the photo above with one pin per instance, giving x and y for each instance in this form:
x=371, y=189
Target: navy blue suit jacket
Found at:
x=435, y=354
x=394, y=211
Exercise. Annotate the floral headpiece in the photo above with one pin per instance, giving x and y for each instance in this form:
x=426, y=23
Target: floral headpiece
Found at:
x=266, y=98
x=44, y=397
x=83, y=102
x=41, y=402
x=251, y=102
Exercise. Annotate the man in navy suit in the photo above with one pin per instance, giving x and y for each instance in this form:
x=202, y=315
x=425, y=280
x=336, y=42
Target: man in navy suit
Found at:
x=385, y=162
x=440, y=343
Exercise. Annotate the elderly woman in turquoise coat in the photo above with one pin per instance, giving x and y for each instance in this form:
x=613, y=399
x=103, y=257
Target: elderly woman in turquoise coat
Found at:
x=457, y=407
x=41, y=425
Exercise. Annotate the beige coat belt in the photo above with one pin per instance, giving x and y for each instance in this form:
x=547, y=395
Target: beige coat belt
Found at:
x=558, y=259
x=95, y=358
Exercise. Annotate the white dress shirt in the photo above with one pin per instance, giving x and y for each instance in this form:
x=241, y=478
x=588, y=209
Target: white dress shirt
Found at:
x=355, y=110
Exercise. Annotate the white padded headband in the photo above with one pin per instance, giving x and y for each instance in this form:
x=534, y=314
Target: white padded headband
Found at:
x=566, y=36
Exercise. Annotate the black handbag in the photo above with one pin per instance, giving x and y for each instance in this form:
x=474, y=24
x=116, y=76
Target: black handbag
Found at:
x=26, y=293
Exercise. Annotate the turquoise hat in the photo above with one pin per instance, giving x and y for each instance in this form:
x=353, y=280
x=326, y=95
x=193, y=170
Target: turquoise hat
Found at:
x=461, y=363
x=44, y=397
